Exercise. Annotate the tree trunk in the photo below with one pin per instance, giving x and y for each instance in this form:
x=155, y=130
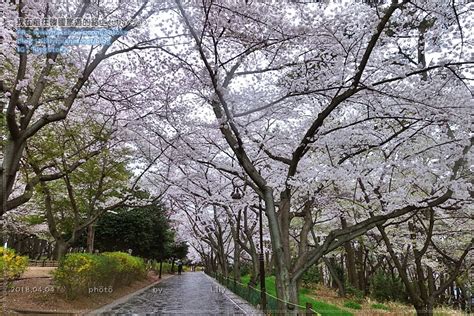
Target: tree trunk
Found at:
x=222, y=264
x=90, y=238
x=282, y=273
x=361, y=263
x=425, y=309
x=236, y=269
x=268, y=263
x=463, y=297
x=442, y=296
x=61, y=249
x=42, y=246
x=293, y=287
x=350, y=259
x=13, y=151
x=255, y=270
x=331, y=264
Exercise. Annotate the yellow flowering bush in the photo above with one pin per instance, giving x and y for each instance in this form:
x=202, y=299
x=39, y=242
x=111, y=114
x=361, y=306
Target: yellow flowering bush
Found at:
x=83, y=273
x=12, y=266
x=129, y=268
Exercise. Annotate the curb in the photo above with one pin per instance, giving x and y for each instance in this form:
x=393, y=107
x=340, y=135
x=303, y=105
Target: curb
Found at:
x=100, y=310
x=44, y=312
x=107, y=308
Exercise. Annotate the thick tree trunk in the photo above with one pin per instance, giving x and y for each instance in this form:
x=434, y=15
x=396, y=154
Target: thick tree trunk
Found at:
x=90, y=238
x=424, y=309
x=350, y=259
x=61, y=249
x=293, y=288
x=282, y=273
x=11, y=164
x=223, y=265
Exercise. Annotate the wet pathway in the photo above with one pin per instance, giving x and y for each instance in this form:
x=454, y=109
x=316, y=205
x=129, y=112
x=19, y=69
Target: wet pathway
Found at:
x=192, y=293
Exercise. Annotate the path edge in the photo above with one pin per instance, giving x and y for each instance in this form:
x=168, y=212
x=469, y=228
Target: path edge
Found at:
x=108, y=308
x=242, y=304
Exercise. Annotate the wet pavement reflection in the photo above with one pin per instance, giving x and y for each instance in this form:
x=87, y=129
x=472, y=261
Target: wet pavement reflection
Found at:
x=191, y=293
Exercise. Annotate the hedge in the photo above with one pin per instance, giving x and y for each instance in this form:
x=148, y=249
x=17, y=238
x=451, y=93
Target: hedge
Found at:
x=83, y=273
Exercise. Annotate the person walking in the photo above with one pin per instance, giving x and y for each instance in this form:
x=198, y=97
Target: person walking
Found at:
x=180, y=266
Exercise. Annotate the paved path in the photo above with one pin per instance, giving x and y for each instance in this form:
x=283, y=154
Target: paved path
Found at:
x=192, y=293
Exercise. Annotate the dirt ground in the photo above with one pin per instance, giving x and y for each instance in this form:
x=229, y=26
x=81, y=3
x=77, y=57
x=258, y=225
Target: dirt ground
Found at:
x=38, y=272
x=35, y=291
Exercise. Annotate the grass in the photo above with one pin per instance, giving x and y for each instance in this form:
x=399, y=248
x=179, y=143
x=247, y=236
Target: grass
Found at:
x=166, y=268
x=353, y=305
x=380, y=306
x=319, y=306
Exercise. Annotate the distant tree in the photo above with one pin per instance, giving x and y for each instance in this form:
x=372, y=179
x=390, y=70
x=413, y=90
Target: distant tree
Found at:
x=179, y=250
x=95, y=178
x=40, y=90
x=145, y=230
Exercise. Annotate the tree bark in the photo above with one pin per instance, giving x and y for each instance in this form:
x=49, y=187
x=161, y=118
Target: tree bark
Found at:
x=236, y=268
x=61, y=249
x=424, y=309
x=350, y=259
x=90, y=238
x=268, y=263
x=330, y=263
x=283, y=279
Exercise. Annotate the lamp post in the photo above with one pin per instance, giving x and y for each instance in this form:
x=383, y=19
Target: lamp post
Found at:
x=237, y=194
x=263, y=295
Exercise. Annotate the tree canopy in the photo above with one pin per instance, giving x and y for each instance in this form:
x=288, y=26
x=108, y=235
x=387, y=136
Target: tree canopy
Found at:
x=347, y=126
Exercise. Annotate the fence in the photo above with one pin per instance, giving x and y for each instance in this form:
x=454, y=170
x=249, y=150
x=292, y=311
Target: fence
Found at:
x=43, y=263
x=253, y=296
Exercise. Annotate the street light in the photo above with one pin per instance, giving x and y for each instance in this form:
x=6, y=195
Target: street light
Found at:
x=263, y=296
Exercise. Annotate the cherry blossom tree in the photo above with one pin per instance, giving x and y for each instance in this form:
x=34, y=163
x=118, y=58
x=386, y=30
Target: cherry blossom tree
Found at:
x=346, y=119
x=314, y=90
x=41, y=89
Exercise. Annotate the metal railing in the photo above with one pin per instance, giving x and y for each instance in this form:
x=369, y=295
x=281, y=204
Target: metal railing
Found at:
x=253, y=296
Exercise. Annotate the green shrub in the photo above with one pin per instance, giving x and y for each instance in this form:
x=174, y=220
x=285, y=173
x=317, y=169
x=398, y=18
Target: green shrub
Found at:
x=386, y=288
x=11, y=265
x=166, y=268
x=83, y=273
x=304, y=290
x=354, y=292
x=353, y=305
x=245, y=268
x=311, y=276
x=380, y=306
